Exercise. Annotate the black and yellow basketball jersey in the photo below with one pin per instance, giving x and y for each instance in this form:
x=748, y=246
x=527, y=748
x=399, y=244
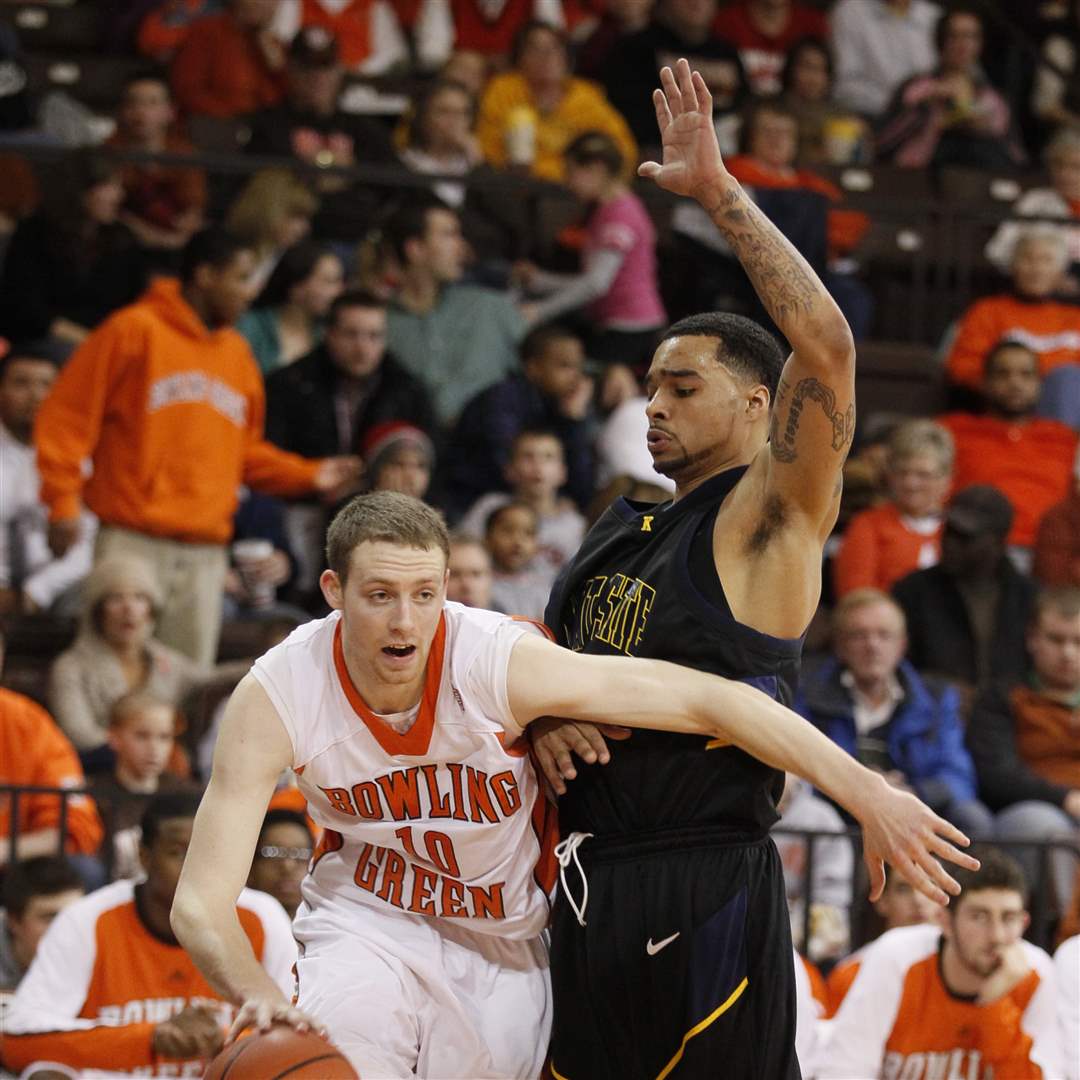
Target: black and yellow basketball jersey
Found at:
x=644, y=583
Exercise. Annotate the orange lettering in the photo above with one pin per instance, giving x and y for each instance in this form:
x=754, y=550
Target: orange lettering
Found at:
x=366, y=797
x=479, y=800
x=422, y=890
x=402, y=797
x=391, y=882
x=506, y=792
x=453, y=899
x=339, y=799
x=455, y=780
x=440, y=804
x=488, y=903
x=367, y=868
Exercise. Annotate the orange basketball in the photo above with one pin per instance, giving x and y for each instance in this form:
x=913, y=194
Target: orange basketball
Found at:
x=282, y=1052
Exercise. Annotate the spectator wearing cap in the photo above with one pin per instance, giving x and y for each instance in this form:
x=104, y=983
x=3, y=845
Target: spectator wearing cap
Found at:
x=1057, y=543
x=369, y=35
x=31, y=577
x=966, y=616
x=310, y=127
x=551, y=392
x=1025, y=740
x=230, y=64
x=1027, y=458
x=399, y=457
x=530, y=114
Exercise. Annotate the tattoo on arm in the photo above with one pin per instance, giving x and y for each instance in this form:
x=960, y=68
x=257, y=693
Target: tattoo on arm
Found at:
x=783, y=444
x=788, y=288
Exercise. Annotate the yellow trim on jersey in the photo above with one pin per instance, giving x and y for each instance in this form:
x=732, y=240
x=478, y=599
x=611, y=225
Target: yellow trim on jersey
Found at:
x=555, y=1072
x=717, y=744
x=697, y=1029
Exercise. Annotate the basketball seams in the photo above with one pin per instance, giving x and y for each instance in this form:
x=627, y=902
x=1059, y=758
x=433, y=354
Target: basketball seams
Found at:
x=292, y=1069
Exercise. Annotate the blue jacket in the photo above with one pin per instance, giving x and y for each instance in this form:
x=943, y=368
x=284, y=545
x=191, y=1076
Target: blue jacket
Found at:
x=925, y=735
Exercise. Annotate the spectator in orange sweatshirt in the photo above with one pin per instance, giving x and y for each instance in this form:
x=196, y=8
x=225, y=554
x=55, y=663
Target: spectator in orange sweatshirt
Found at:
x=231, y=64
x=1027, y=458
x=166, y=400
x=887, y=542
x=1028, y=313
x=1057, y=543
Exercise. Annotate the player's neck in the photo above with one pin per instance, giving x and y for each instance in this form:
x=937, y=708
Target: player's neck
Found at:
x=381, y=697
x=959, y=979
x=697, y=473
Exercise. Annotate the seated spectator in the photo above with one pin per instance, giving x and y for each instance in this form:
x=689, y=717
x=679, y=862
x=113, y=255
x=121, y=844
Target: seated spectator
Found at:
x=1067, y=962
x=456, y=339
x=879, y=45
x=1028, y=313
x=164, y=28
x=33, y=893
x=71, y=263
x=550, y=393
x=828, y=135
x=142, y=736
x=369, y=34
x=1057, y=543
x=35, y=753
x=899, y=905
x=1027, y=458
x=230, y=64
x=167, y=402
x=470, y=572
x=1055, y=97
x=678, y=28
x=310, y=127
x=286, y=320
x=966, y=616
x=886, y=542
x=1025, y=743
x=969, y=995
x=281, y=857
x=31, y=577
x=618, y=20
x=110, y=987
x=530, y=114
x=272, y=213
x=398, y=457
x=877, y=706
x=535, y=473
x=951, y=116
x=1060, y=200
x=114, y=653
x=618, y=288
x=438, y=138
x=163, y=204
x=521, y=581
x=764, y=31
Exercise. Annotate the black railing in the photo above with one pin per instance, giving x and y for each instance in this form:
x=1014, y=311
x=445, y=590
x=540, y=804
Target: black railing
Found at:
x=10, y=797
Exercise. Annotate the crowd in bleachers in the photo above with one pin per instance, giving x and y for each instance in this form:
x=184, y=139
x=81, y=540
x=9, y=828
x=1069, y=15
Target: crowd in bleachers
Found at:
x=401, y=245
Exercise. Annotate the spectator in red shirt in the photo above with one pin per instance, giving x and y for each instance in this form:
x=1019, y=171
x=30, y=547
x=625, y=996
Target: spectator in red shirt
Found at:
x=763, y=31
x=163, y=30
x=887, y=542
x=1027, y=458
x=231, y=64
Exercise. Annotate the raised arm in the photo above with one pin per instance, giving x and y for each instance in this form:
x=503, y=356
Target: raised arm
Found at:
x=546, y=680
x=813, y=416
x=252, y=750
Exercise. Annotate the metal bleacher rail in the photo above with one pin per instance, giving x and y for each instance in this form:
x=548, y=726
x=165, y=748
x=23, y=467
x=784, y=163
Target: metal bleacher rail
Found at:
x=1044, y=912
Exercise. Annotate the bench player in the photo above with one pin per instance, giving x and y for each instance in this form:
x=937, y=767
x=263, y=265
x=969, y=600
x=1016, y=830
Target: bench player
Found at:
x=402, y=716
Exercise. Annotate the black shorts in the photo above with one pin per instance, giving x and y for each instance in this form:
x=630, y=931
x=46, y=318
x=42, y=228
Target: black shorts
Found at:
x=684, y=968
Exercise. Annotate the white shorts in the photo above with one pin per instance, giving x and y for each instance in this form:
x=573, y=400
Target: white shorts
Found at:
x=407, y=996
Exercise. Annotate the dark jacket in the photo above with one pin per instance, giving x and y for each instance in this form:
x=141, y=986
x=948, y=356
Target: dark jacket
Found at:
x=925, y=734
x=480, y=444
x=300, y=410
x=1004, y=777
x=940, y=638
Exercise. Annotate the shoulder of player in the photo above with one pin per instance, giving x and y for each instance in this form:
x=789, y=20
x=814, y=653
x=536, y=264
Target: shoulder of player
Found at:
x=467, y=627
x=1039, y=959
x=86, y=912
x=900, y=949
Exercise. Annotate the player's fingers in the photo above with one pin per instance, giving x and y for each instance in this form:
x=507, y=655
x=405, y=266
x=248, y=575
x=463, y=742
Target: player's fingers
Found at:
x=686, y=85
x=704, y=96
x=671, y=91
x=613, y=731
x=945, y=850
x=918, y=879
x=650, y=170
x=875, y=867
x=546, y=761
x=937, y=873
x=578, y=740
x=663, y=113
x=240, y=1022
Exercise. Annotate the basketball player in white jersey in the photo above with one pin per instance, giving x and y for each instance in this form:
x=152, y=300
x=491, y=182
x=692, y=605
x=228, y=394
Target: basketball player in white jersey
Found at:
x=402, y=716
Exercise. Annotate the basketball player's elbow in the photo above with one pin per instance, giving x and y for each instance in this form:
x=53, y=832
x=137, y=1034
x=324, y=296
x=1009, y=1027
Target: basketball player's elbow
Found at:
x=188, y=915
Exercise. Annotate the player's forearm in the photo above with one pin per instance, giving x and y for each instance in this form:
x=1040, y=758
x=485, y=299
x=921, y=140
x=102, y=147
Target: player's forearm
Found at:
x=214, y=939
x=792, y=293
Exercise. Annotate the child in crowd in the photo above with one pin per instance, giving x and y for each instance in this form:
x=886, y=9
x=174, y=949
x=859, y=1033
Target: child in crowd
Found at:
x=535, y=472
x=399, y=457
x=522, y=581
x=470, y=572
x=619, y=282
x=142, y=734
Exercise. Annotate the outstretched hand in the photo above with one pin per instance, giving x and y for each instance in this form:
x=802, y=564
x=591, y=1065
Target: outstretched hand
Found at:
x=684, y=112
x=900, y=830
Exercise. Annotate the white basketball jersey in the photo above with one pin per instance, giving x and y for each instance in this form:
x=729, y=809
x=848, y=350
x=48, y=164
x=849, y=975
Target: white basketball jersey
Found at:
x=447, y=820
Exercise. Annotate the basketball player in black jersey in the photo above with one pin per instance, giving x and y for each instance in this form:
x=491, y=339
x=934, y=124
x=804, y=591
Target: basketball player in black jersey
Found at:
x=678, y=961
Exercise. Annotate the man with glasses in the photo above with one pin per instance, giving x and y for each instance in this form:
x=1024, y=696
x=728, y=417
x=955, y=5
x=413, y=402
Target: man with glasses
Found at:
x=282, y=857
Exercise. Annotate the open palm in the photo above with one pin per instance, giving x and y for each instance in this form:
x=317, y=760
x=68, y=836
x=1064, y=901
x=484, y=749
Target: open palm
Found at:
x=684, y=113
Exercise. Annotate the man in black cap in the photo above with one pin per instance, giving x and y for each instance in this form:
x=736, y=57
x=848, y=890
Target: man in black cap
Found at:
x=311, y=126
x=966, y=617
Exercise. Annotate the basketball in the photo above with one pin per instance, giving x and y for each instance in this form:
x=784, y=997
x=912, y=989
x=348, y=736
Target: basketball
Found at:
x=282, y=1052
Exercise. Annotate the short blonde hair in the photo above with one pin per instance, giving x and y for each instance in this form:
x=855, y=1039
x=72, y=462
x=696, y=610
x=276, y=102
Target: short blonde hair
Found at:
x=267, y=199
x=136, y=702
x=921, y=437
x=858, y=599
